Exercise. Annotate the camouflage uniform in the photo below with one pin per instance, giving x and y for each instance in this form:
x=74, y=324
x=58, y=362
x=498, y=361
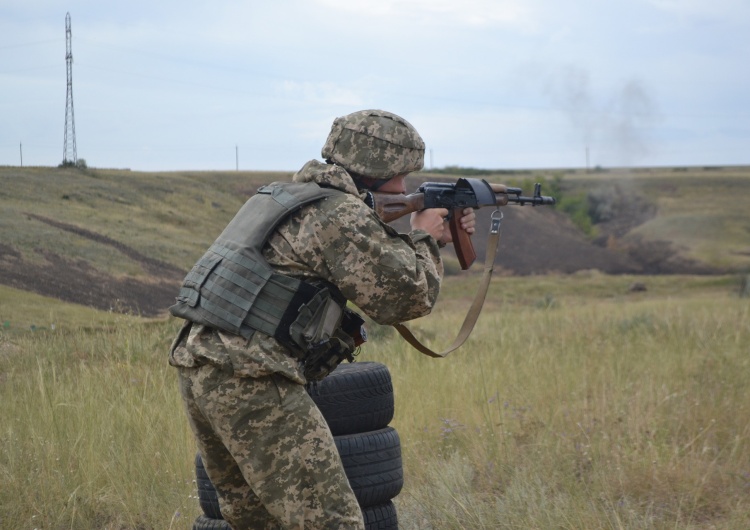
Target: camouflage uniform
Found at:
x=265, y=445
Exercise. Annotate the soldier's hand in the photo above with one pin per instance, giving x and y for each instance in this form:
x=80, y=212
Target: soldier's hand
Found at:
x=467, y=222
x=431, y=221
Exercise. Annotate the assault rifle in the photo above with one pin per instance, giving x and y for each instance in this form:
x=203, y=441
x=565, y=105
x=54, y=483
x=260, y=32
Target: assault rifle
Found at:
x=464, y=193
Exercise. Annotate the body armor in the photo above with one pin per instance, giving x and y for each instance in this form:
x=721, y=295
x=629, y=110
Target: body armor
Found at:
x=233, y=288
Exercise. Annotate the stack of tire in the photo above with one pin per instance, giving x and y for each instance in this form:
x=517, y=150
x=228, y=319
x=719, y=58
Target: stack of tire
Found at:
x=357, y=402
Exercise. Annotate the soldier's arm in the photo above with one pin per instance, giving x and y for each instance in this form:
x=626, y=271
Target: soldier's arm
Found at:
x=391, y=277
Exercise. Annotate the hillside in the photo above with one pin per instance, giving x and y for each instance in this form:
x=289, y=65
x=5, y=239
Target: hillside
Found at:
x=122, y=240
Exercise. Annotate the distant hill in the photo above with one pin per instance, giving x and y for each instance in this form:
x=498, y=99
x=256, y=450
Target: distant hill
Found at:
x=122, y=240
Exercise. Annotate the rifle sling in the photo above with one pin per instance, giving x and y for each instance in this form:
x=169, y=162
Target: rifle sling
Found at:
x=476, y=306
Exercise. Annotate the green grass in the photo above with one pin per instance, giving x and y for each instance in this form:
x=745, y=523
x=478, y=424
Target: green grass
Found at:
x=167, y=216
x=21, y=311
x=575, y=404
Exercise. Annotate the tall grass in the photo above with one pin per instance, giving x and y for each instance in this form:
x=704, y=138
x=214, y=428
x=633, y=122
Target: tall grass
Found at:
x=92, y=432
x=570, y=407
x=580, y=414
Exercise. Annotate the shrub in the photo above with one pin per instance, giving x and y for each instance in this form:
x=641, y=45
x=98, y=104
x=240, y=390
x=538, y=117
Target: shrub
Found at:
x=577, y=208
x=79, y=164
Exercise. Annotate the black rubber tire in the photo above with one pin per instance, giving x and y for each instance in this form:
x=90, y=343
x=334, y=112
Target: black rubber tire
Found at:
x=373, y=465
x=206, y=523
x=355, y=397
x=372, y=461
x=381, y=517
x=207, y=496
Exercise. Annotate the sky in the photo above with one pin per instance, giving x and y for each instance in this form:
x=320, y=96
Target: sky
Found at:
x=494, y=84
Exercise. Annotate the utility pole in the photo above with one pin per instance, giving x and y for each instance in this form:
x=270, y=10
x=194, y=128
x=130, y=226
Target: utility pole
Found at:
x=587, y=159
x=236, y=157
x=69, y=142
x=20, y=147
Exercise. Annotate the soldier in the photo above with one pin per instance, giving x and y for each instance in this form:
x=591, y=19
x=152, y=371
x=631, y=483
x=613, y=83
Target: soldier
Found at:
x=265, y=311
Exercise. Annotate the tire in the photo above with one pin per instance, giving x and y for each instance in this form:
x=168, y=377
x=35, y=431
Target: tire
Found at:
x=381, y=517
x=373, y=465
x=206, y=523
x=355, y=397
x=207, y=496
x=372, y=462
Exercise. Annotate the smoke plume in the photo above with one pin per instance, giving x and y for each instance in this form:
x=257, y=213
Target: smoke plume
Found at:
x=615, y=126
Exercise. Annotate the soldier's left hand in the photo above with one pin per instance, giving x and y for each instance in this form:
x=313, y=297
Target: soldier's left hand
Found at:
x=468, y=224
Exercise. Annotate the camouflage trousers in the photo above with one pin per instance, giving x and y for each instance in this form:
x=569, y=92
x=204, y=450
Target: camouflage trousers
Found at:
x=268, y=452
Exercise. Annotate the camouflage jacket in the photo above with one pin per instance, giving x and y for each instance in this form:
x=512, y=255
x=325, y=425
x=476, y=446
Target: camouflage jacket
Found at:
x=391, y=277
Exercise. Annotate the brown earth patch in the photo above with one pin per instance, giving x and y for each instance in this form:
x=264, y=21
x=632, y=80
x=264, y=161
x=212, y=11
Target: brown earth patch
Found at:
x=540, y=240
x=77, y=282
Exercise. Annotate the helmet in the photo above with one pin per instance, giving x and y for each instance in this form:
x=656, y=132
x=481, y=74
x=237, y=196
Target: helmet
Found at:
x=374, y=143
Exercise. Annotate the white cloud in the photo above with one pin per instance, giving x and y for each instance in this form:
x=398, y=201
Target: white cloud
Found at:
x=444, y=12
x=322, y=93
x=728, y=10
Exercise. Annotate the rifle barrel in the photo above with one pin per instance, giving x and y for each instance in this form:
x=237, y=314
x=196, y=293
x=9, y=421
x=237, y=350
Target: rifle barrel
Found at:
x=540, y=200
x=536, y=199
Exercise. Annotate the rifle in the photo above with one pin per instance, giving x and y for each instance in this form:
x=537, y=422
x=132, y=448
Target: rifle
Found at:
x=464, y=193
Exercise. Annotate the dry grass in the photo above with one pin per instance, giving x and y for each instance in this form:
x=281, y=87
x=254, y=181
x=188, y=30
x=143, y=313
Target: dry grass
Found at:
x=575, y=405
x=591, y=413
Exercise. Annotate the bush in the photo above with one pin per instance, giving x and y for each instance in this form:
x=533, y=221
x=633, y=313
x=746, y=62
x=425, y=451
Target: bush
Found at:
x=79, y=164
x=577, y=208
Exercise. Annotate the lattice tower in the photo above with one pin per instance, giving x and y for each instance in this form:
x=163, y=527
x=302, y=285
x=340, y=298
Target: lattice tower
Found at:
x=69, y=143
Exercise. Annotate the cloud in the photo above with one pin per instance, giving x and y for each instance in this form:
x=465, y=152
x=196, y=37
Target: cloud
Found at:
x=727, y=10
x=444, y=12
x=323, y=93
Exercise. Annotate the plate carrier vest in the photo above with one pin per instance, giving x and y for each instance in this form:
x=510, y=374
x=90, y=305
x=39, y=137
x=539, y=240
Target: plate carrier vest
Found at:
x=233, y=288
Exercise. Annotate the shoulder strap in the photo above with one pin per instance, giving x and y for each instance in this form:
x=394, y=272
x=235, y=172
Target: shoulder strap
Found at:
x=476, y=306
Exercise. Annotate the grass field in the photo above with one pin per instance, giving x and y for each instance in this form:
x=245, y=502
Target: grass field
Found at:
x=576, y=404
x=702, y=211
x=174, y=216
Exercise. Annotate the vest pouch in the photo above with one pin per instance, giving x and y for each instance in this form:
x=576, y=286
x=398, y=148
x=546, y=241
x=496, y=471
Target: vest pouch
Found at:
x=319, y=333
x=317, y=321
x=191, y=285
x=322, y=359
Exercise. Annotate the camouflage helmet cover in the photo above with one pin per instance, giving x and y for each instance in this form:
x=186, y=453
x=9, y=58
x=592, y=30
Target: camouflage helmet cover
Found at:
x=374, y=143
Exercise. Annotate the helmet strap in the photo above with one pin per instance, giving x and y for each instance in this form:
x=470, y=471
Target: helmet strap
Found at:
x=367, y=183
x=377, y=184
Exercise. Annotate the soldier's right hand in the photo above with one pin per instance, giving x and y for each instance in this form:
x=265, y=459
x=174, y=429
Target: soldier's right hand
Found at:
x=431, y=221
